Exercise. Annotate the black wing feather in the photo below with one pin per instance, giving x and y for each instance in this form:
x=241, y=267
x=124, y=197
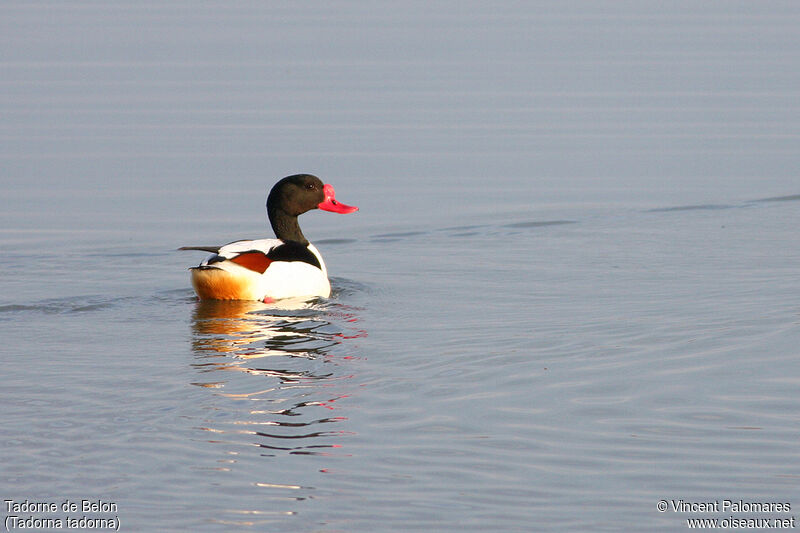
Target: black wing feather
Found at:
x=210, y=249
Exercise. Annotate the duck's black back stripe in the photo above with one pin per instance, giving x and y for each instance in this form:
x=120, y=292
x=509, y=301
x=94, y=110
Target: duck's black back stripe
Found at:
x=294, y=251
x=212, y=249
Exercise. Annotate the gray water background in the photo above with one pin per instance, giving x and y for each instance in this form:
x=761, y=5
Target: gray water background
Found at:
x=571, y=290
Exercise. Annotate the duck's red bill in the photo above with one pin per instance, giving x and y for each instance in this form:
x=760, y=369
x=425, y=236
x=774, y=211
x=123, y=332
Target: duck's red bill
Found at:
x=330, y=203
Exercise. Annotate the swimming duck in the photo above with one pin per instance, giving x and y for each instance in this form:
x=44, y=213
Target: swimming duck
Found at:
x=271, y=269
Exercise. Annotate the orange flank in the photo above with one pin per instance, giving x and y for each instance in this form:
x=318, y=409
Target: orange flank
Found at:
x=255, y=261
x=217, y=284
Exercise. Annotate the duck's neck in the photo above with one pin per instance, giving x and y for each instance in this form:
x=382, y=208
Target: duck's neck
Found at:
x=285, y=226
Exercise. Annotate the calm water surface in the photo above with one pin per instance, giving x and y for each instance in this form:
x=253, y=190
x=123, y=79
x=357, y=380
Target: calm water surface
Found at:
x=571, y=290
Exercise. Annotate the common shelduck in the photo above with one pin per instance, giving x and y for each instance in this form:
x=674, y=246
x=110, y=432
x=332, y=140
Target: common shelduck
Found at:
x=271, y=269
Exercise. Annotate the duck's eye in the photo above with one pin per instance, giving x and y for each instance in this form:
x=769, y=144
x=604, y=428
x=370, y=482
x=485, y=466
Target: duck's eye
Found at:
x=310, y=186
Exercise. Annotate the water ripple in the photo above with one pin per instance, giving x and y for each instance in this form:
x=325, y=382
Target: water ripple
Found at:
x=788, y=198
x=699, y=207
x=79, y=304
x=539, y=223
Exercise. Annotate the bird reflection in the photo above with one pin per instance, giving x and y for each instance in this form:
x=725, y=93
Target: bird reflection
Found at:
x=279, y=372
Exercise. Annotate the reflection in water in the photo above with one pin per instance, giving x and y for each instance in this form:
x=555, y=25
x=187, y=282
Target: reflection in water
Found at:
x=281, y=369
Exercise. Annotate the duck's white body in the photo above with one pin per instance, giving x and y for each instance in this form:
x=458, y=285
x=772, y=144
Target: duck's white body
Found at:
x=235, y=273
